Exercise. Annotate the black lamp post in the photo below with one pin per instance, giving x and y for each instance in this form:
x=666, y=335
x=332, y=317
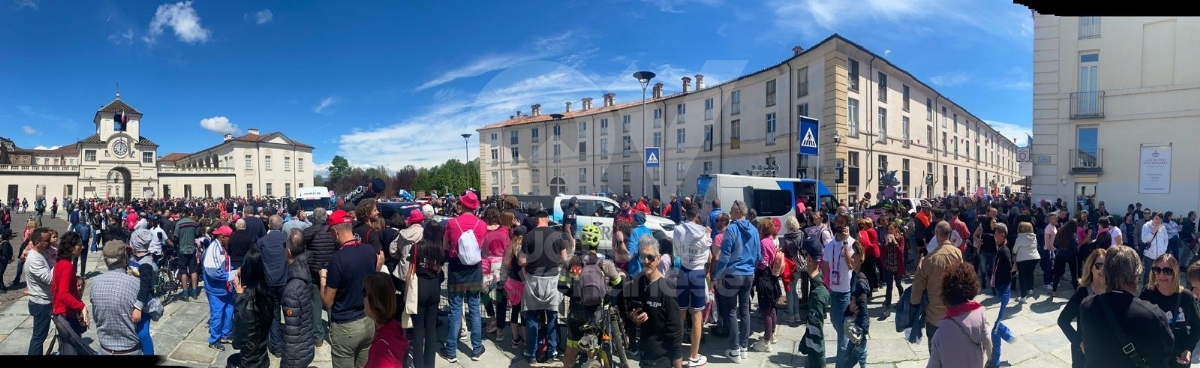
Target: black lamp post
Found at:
x=467, y=151
x=644, y=78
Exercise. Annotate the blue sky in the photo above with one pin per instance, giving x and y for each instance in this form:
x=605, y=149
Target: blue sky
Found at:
x=397, y=82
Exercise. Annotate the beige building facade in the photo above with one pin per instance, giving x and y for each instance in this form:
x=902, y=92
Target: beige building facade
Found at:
x=1115, y=110
x=119, y=162
x=871, y=113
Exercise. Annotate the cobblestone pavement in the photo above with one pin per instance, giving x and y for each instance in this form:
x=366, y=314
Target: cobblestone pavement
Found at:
x=181, y=334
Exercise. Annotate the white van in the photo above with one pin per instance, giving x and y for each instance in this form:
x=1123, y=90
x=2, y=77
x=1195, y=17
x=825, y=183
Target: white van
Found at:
x=313, y=197
x=602, y=210
x=769, y=197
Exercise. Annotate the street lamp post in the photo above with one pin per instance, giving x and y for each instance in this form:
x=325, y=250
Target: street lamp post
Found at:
x=467, y=151
x=644, y=78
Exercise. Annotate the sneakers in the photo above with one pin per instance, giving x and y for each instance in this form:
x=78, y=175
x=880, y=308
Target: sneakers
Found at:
x=477, y=357
x=698, y=361
x=216, y=346
x=447, y=357
x=761, y=346
x=500, y=337
x=518, y=343
x=1048, y=287
x=736, y=355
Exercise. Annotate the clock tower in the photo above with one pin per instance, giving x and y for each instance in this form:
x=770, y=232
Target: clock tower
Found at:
x=117, y=156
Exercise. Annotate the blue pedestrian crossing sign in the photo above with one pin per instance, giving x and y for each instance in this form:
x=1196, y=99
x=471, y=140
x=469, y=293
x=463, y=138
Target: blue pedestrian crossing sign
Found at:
x=810, y=130
x=652, y=157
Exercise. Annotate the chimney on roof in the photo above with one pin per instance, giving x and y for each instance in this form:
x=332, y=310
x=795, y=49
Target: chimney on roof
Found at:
x=699, y=82
x=510, y=117
x=657, y=91
x=568, y=106
x=687, y=84
x=609, y=99
x=228, y=137
x=537, y=109
x=518, y=113
x=587, y=104
x=797, y=50
x=253, y=131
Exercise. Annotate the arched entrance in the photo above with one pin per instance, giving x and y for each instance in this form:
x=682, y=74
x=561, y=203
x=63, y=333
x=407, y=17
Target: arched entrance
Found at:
x=557, y=186
x=119, y=184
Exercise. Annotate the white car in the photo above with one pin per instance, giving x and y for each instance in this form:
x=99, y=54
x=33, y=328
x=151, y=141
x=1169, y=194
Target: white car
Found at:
x=602, y=210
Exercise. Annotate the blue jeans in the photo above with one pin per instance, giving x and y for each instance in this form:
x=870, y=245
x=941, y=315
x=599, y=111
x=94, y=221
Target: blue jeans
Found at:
x=95, y=240
x=220, y=316
x=984, y=271
x=41, y=326
x=455, y=322
x=792, y=300
x=855, y=355
x=735, y=308
x=144, y=336
x=838, y=302
x=999, y=330
x=534, y=320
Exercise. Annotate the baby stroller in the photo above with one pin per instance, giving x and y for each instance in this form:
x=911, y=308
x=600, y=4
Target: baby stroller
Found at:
x=69, y=342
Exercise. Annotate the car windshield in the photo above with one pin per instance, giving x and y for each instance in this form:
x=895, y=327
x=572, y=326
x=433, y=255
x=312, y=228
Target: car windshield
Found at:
x=310, y=204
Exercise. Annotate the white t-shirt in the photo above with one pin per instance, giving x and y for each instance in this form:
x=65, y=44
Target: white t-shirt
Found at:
x=955, y=240
x=1115, y=232
x=839, y=269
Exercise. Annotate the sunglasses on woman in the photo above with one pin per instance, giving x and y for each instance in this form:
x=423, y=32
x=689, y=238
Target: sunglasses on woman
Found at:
x=1162, y=270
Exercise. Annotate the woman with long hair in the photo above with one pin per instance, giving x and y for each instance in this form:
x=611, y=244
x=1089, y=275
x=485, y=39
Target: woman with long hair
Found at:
x=24, y=249
x=67, y=291
x=388, y=346
x=869, y=238
x=892, y=255
x=1179, y=304
x=1091, y=283
x=495, y=242
x=1066, y=246
x=252, y=320
x=427, y=259
x=766, y=283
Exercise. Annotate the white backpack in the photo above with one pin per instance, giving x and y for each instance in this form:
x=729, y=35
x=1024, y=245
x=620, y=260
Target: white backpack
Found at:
x=468, y=247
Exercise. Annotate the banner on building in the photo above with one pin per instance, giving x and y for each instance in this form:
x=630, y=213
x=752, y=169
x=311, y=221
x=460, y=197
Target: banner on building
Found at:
x=1154, y=174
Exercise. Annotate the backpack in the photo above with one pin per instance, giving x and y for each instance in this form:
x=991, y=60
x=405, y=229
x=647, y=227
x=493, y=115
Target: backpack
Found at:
x=468, y=247
x=591, y=289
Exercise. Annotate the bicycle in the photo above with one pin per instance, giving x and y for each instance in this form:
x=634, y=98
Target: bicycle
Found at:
x=603, y=341
x=166, y=282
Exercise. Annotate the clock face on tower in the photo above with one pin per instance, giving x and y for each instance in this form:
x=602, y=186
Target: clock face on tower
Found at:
x=120, y=148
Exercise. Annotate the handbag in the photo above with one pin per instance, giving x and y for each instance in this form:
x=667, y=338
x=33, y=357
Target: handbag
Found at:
x=1126, y=346
x=410, y=293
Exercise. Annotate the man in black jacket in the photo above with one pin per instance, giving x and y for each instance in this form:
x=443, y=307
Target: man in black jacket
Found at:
x=1116, y=324
x=274, y=258
x=300, y=348
x=651, y=304
x=320, y=246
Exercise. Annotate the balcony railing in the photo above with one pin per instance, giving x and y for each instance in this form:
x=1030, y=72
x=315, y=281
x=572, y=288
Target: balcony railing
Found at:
x=1087, y=161
x=1087, y=105
x=194, y=170
x=39, y=168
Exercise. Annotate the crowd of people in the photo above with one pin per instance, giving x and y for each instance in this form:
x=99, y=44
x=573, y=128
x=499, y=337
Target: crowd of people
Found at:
x=281, y=283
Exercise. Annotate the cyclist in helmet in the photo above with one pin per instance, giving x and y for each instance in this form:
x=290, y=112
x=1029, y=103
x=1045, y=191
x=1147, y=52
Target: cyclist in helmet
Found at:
x=584, y=285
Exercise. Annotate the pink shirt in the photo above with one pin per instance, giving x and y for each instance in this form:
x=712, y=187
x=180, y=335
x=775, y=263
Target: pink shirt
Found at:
x=387, y=347
x=768, y=253
x=457, y=226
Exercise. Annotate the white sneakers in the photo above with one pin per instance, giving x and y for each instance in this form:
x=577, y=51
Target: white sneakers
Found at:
x=697, y=362
x=736, y=355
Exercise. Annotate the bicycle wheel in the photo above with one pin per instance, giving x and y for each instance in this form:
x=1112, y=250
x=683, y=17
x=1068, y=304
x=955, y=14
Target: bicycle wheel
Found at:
x=616, y=342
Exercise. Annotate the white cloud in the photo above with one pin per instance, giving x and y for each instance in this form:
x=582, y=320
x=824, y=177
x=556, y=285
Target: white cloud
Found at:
x=433, y=136
x=325, y=103
x=32, y=4
x=28, y=130
x=815, y=18
x=671, y=6
x=1010, y=130
x=47, y=148
x=220, y=125
x=263, y=16
x=543, y=48
x=121, y=38
x=950, y=79
x=182, y=19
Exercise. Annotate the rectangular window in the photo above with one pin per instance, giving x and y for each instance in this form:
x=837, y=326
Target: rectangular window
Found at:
x=1089, y=27
x=626, y=146
x=249, y=190
x=626, y=173
x=267, y=162
x=658, y=117
x=735, y=102
x=492, y=141
x=516, y=155
x=269, y=189
x=495, y=176
x=534, y=135
x=929, y=110
x=583, y=129
x=708, y=138
x=535, y=176
x=582, y=151
x=557, y=132
x=802, y=82
x=852, y=75
x=681, y=139
x=771, y=128
x=708, y=166
x=802, y=109
x=603, y=126
x=535, y=155
x=557, y=152
x=735, y=134
x=904, y=130
x=625, y=125
x=495, y=155
x=583, y=175
x=680, y=112
x=604, y=173
x=1087, y=142
x=287, y=164
x=708, y=109
x=604, y=148
x=287, y=189
x=515, y=176
x=955, y=123
x=883, y=90
x=249, y=162
x=852, y=116
x=148, y=157
x=514, y=137
x=680, y=170
x=299, y=164
x=89, y=155
x=770, y=93
x=882, y=125
x=906, y=96
x=658, y=139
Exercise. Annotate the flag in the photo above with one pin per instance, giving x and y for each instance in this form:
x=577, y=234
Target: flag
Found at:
x=121, y=117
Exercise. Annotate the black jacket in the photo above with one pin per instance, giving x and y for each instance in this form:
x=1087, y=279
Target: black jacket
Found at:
x=319, y=246
x=255, y=226
x=251, y=327
x=274, y=257
x=299, y=346
x=1144, y=324
x=240, y=243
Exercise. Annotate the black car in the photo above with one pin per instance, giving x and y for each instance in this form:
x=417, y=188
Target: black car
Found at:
x=387, y=209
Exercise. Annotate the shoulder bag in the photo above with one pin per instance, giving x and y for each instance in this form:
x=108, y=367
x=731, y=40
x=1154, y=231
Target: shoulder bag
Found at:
x=410, y=293
x=1126, y=346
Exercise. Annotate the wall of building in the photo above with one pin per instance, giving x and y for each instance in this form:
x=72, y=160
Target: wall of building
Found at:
x=1148, y=87
x=740, y=135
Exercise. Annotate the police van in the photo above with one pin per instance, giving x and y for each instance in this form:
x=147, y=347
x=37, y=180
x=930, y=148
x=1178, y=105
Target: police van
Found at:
x=313, y=197
x=592, y=210
x=769, y=197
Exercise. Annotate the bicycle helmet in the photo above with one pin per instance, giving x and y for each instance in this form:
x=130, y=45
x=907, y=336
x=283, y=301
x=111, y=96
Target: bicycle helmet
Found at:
x=590, y=236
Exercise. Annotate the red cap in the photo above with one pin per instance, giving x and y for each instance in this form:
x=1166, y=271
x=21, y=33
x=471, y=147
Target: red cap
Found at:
x=339, y=217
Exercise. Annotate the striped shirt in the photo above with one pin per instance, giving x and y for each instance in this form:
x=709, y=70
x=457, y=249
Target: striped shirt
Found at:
x=112, y=297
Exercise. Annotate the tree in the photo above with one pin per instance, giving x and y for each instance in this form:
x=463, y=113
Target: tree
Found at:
x=338, y=168
x=318, y=180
